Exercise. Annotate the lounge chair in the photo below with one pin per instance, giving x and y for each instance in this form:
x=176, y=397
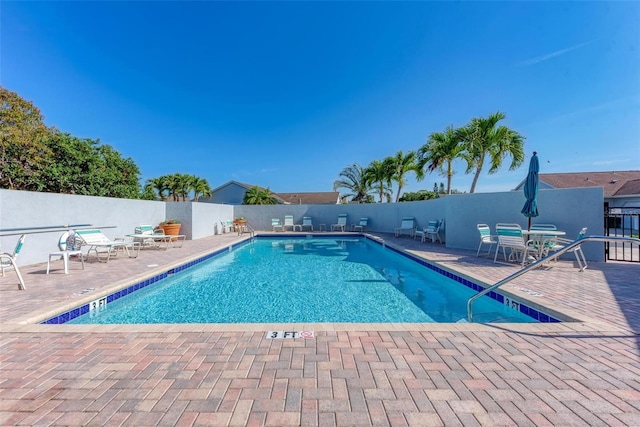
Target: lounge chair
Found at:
x=148, y=236
x=510, y=237
x=306, y=222
x=275, y=224
x=486, y=238
x=69, y=246
x=146, y=230
x=96, y=240
x=431, y=231
x=288, y=222
x=406, y=227
x=577, y=250
x=341, y=224
x=8, y=261
x=360, y=225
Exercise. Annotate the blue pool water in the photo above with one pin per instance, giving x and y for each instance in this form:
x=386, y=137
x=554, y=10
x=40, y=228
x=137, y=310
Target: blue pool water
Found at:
x=303, y=280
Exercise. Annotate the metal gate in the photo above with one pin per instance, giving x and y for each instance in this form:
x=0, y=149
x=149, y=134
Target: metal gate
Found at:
x=622, y=222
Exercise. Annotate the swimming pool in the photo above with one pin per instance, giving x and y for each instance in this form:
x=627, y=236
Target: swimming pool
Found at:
x=286, y=280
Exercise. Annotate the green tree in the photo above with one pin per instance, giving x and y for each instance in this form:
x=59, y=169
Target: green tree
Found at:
x=83, y=166
x=258, y=196
x=354, y=180
x=419, y=195
x=119, y=175
x=185, y=185
x=401, y=164
x=174, y=186
x=483, y=138
x=22, y=142
x=201, y=188
x=441, y=149
x=148, y=194
x=158, y=186
x=378, y=174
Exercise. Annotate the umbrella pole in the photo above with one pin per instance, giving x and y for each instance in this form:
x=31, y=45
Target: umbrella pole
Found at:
x=529, y=224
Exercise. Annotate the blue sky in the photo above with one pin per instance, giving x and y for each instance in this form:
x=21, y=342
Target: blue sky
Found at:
x=286, y=94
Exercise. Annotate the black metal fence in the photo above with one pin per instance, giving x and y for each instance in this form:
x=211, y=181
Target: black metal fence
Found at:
x=622, y=222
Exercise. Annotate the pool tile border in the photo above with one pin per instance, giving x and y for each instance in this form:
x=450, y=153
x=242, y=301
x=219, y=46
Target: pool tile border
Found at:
x=69, y=315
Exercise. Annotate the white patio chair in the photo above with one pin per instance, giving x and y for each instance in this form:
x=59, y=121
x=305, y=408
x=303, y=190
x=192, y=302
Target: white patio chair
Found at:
x=275, y=224
x=341, y=224
x=486, y=238
x=226, y=226
x=8, y=261
x=288, y=222
x=69, y=246
x=577, y=250
x=306, y=222
x=360, y=225
x=541, y=241
x=510, y=237
x=406, y=227
x=430, y=231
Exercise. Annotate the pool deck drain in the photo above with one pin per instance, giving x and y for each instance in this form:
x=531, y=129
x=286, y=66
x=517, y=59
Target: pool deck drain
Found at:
x=572, y=373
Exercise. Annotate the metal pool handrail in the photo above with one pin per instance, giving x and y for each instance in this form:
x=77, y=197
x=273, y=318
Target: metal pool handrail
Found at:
x=543, y=260
x=43, y=229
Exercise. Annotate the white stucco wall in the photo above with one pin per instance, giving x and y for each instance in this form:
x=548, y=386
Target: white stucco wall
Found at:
x=116, y=217
x=569, y=209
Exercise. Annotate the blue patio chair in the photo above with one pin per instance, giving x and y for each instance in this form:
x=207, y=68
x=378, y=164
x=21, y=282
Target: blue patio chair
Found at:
x=510, y=237
x=275, y=224
x=8, y=261
x=406, y=227
x=486, y=238
x=306, y=222
x=341, y=224
x=360, y=225
x=577, y=250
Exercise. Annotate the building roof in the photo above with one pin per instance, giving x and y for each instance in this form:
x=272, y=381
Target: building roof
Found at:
x=615, y=183
x=241, y=184
x=326, y=197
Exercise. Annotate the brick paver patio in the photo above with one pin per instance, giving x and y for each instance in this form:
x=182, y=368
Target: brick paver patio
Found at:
x=571, y=373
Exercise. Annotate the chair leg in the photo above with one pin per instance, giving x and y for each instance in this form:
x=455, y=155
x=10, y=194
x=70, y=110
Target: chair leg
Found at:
x=21, y=285
x=582, y=263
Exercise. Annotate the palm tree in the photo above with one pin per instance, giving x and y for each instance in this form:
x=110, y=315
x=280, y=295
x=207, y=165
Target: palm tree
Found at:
x=201, y=188
x=401, y=164
x=354, y=180
x=258, y=196
x=378, y=174
x=184, y=185
x=441, y=149
x=173, y=185
x=158, y=186
x=482, y=138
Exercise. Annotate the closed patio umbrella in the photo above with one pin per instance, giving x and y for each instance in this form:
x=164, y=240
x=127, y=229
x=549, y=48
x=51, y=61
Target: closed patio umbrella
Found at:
x=530, y=209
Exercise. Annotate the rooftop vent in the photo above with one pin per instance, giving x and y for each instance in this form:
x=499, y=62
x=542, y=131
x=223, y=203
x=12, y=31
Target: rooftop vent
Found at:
x=613, y=181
